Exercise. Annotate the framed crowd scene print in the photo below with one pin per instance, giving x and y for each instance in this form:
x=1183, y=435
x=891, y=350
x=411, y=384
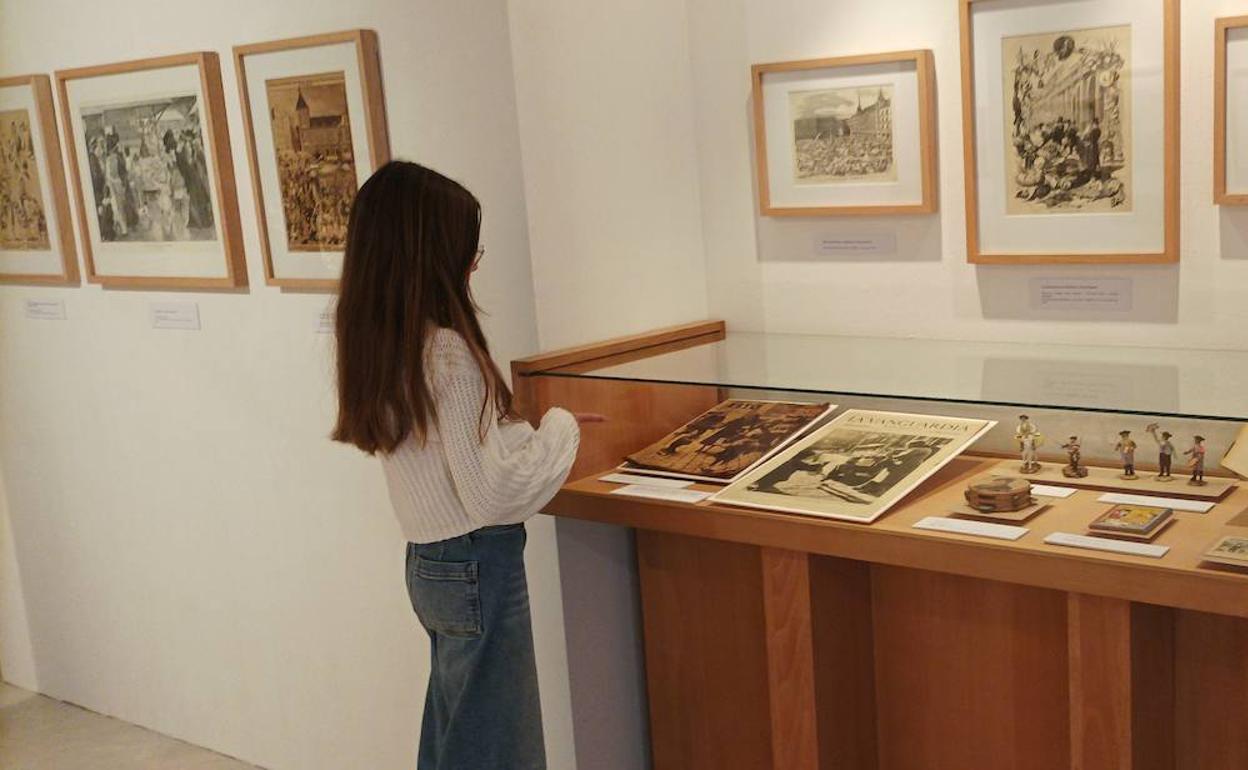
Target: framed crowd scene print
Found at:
x=853, y=135
x=36, y=236
x=1070, y=130
x=152, y=171
x=316, y=129
x=1230, y=117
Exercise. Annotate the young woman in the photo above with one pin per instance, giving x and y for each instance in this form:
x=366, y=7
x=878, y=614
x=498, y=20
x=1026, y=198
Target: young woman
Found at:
x=416, y=385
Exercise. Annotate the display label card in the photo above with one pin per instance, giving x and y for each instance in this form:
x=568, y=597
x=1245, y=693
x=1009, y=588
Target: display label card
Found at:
x=644, y=481
x=660, y=493
x=978, y=528
x=174, y=315
x=1082, y=294
x=325, y=322
x=46, y=309
x=1177, y=503
x=1106, y=544
x=839, y=245
x=1045, y=490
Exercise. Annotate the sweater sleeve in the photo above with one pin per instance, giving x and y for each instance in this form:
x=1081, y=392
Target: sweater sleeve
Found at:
x=500, y=479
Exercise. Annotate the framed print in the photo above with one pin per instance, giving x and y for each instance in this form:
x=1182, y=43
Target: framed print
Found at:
x=855, y=467
x=316, y=130
x=1070, y=130
x=36, y=236
x=853, y=135
x=149, y=154
x=1230, y=112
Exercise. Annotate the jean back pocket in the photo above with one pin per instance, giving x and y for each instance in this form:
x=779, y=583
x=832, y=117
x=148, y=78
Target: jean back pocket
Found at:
x=446, y=596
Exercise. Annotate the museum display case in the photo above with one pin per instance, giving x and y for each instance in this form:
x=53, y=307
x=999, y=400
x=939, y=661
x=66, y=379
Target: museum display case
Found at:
x=925, y=639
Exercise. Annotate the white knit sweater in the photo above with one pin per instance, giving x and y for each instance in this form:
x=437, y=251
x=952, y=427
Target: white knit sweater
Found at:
x=455, y=481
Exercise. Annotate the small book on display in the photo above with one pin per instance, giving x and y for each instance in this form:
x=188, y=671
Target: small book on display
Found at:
x=727, y=440
x=1132, y=522
x=1231, y=550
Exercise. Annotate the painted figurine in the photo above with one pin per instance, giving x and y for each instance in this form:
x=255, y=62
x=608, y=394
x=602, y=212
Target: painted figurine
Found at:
x=1074, y=457
x=1165, y=452
x=1125, y=448
x=1197, y=463
x=1029, y=440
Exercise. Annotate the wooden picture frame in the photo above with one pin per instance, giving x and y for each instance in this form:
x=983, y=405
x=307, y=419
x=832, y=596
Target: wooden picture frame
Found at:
x=1168, y=245
x=1222, y=196
x=375, y=134
x=54, y=197
x=925, y=118
x=224, y=270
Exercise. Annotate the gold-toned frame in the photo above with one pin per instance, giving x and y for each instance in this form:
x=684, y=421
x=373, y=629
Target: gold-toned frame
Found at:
x=924, y=69
x=58, y=195
x=1220, y=194
x=1170, y=249
x=216, y=137
x=366, y=49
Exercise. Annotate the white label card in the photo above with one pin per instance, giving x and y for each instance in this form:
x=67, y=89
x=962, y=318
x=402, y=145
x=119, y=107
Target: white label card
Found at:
x=46, y=309
x=644, y=481
x=978, y=528
x=325, y=322
x=659, y=493
x=174, y=315
x=1177, y=503
x=1106, y=544
x=1082, y=294
x=871, y=243
x=1045, y=490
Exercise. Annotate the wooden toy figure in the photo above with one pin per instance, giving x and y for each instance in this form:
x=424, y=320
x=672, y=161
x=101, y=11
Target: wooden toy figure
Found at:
x=1165, y=452
x=1197, y=463
x=1126, y=450
x=1029, y=441
x=1074, y=455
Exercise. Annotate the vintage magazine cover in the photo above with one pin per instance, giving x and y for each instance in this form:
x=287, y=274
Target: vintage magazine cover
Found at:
x=1229, y=550
x=855, y=467
x=720, y=444
x=1132, y=519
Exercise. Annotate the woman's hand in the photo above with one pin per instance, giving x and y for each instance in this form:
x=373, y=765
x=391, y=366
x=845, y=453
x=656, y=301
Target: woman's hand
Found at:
x=584, y=417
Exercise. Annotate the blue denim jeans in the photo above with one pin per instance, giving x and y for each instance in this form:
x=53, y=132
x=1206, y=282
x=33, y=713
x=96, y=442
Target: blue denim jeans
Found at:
x=481, y=710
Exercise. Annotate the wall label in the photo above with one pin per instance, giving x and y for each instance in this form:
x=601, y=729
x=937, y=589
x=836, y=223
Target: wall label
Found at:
x=46, y=309
x=884, y=244
x=174, y=315
x=325, y=322
x=1113, y=295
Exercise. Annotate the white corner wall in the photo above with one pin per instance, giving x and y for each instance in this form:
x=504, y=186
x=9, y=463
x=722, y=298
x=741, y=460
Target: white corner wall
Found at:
x=762, y=273
x=194, y=554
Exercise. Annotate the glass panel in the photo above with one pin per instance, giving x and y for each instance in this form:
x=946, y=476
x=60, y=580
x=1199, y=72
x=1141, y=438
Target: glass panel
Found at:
x=1201, y=384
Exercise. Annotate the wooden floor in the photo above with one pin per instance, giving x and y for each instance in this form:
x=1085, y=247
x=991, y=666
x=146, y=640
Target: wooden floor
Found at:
x=39, y=733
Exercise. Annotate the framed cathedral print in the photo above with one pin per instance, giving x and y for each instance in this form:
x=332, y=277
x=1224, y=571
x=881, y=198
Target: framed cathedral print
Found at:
x=149, y=154
x=1070, y=129
x=1230, y=112
x=853, y=135
x=36, y=236
x=316, y=129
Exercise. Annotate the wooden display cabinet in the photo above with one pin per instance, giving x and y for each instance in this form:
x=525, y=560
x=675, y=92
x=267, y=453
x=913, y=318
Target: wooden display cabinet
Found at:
x=791, y=642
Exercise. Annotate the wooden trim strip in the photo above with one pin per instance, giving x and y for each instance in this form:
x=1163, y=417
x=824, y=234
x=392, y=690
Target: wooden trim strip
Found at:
x=712, y=330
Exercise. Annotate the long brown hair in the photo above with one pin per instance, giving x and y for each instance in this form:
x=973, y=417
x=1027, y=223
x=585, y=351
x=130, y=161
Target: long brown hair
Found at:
x=411, y=243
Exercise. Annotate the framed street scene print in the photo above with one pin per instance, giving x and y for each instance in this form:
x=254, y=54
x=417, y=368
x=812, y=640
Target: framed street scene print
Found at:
x=149, y=154
x=36, y=236
x=853, y=135
x=1070, y=130
x=316, y=129
x=1230, y=115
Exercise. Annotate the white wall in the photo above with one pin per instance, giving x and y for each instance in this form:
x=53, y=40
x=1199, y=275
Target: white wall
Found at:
x=761, y=273
x=195, y=555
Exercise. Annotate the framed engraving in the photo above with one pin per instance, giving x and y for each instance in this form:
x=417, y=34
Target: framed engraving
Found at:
x=149, y=153
x=36, y=237
x=853, y=135
x=1230, y=112
x=316, y=130
x=1068, y=106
